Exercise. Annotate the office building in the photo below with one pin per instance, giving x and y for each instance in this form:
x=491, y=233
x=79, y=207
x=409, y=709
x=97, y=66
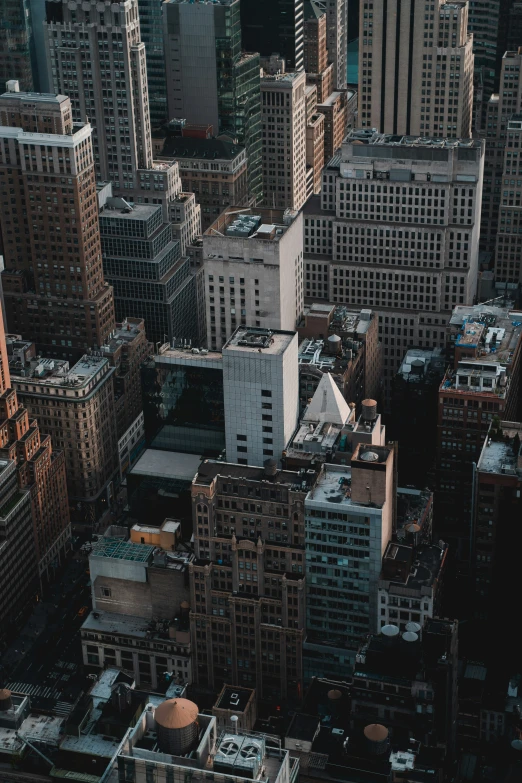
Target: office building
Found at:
x=260, y=387
x=150, y=278
x=75, y=406
x=484, y=382
x=17, y=50
x=210, y=78
x=275, y=27
x=415, y=389
x=497, y=484
x=411, y=263
x=283, y=116
x=93, y=50
x=415, y=80
x=126, y=349
x=237, y=701
x=249, y=547
x=342, y=594
x=337, y=39
x=53, y=284
x=319, y=70
x=183, y=401
x=354, y=360
x=508, y=263
x=488, y=26
x=151, y=34
x=215, y=170
x=252, y=264
x=140, y=615
x=498, y=165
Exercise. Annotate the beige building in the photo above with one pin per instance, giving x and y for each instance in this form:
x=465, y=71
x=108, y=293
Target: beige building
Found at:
x=415, y=72
x=76, y=407
x=53, y=283
x=283, y=123
x=508, y=251
x=253, y=272
x=397, y=231
x=335, y=110
x=105, y=76
x=319, y=71
x=140, y=615
x=314, y=142
x=247, y=582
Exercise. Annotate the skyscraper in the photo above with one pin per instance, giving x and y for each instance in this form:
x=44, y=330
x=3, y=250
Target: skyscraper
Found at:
x=397, y=231
x=210, y=80
x=283, y=113
x=416, y=69
x=17, y=43
x=151, y=27
x=274, y=26
x=96, y=57
x=337, y=38
x=53, y=282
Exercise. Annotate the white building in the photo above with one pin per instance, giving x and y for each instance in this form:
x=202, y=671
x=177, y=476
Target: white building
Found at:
x=253, y=268
x=261, y=393
x=283, y=117
x=397, y=231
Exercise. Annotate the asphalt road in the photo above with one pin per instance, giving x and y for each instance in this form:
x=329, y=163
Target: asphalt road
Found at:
x=51, y=671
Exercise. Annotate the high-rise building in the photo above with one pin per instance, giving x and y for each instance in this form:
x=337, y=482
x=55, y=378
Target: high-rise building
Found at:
x=17, y=51
x=352, y=508
x=397, y=231
x=210, y=79
x=337, y=38
x=151, y=34
x=483, y=383
x=40, y=475
x=416, y=77
x=96, y=57
x=283, y=114
x=150, y=278
x=249, y=544
x=500, y=110
x=335, y=111
x=76, y=407
x=252, y=266
x=314, y=142
x=497, y=485
x=319, y=69
x=53, y=282
x=508, y=251
x=261, y=393
x=274, y=27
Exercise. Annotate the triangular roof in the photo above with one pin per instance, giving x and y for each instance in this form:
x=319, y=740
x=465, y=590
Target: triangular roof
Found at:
x=328, y=404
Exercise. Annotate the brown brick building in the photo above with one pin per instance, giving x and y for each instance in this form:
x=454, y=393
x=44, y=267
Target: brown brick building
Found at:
x=53, y=281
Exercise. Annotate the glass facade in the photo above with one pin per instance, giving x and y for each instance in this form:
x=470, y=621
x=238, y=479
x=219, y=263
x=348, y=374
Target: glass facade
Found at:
x=151, y=26
x=17, y=55
x=239, y=91
x=183, y=408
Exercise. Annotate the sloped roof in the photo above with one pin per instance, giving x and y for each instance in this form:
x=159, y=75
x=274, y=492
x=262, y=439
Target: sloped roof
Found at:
x=328, y=404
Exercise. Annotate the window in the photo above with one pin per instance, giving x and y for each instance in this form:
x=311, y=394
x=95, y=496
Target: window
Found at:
x=106, y=592
x=241, y=437
x=266, y=393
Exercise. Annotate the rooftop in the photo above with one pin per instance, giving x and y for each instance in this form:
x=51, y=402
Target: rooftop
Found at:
x=257, y=340
x=235, y=699
x=201, y=149
x=210, y=469
x=124, y=333
x=373, y=137
x=119, y=208
x=117, y=549
x=423, y=366
x=167, y=464
x=56, y=372
x=35, y=97
x=127, y=625
x=502, y=450
x=425, y=562
x=245, y=223
x=334, y=485
x=413, y=507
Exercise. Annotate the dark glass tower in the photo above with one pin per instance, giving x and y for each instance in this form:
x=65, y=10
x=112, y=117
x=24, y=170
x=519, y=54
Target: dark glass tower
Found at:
x=274, y=26
x=151, y=26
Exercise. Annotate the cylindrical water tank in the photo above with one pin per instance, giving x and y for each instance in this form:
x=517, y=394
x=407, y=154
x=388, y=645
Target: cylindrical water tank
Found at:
x=390, y=631
x=334, y=344
x=369, y=410
x=376, y=738
x=177, y=726
x=5, y=700
x=270, y=466
x=413, y=627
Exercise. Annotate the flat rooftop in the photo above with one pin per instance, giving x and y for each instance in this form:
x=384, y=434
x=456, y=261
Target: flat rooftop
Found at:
x=36, y=97
x=117, y=549
x=210, y=469
x=422, y=365
x=499, y=456
x=56, y=372
x=112, y=210
x=373, y=137
x=252, y=223
x=126, y=625
x=428, y=561
x=235, y=699
x=187, y=147
x=167, y=464
x=256, y=340
x=334, y=485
